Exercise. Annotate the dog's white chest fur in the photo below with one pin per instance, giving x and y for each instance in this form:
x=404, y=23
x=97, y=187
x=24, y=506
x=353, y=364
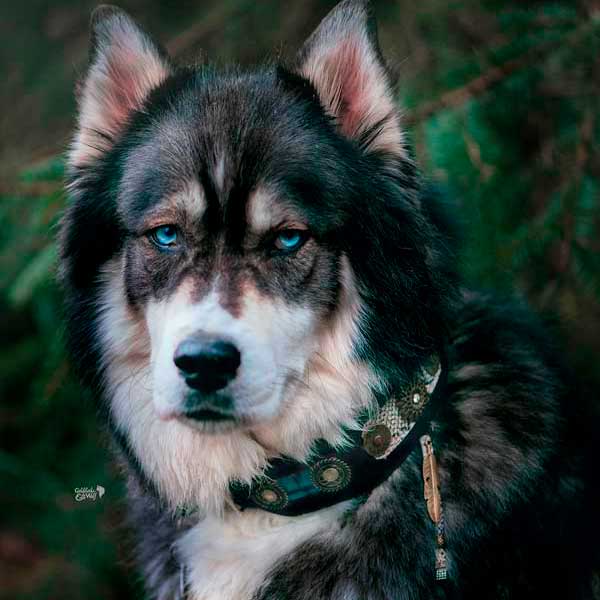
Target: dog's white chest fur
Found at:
x=230, y=558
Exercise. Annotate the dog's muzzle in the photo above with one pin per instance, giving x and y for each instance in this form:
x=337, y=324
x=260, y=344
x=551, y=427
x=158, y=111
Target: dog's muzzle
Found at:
x=208, y=365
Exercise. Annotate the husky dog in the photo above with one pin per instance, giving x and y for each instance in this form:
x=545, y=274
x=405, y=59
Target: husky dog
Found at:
x=251, y=262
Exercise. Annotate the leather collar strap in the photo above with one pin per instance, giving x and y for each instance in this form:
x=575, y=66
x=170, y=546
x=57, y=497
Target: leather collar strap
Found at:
x=384, y=440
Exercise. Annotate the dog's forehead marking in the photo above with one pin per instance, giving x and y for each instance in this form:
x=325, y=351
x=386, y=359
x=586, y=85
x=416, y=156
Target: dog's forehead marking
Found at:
x=191, y=199
x=219, y=172
x=265, y=210
x=188, y=202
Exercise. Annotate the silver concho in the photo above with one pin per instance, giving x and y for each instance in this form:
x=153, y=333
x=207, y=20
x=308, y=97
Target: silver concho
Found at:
x=331, y=474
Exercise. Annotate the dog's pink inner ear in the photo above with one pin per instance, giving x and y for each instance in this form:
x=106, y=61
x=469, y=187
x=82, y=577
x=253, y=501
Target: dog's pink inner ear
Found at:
x=125, y=66
x=343, y=62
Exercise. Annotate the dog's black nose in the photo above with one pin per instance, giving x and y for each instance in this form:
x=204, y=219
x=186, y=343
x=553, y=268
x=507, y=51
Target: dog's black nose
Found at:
x=207, y=364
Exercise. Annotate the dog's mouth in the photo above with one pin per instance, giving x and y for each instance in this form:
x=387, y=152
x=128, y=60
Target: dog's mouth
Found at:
x=213, y=412
x=210, y=408
x=209, y=415
x=208, y=420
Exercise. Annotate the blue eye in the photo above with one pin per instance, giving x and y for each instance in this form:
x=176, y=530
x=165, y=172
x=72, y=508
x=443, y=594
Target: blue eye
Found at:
x=165, y=236
x=290, y=240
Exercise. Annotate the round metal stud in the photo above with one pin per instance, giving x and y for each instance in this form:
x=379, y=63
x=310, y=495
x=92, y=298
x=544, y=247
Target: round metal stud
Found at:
x=412, y=401
x=270, y=496
x=331, y=474
x=377, y=440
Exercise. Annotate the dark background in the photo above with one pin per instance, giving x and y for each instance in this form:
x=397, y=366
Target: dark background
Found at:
x=501, y=102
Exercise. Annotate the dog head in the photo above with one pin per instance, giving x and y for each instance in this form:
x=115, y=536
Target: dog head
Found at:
x=247, y=253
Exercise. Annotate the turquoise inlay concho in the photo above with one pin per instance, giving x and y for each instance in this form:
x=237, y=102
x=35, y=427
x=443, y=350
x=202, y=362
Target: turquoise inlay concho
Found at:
x=270, y=496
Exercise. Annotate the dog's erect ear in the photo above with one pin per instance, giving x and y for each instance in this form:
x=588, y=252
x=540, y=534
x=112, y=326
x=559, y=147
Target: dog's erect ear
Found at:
x=343, y=62
x=125, y=65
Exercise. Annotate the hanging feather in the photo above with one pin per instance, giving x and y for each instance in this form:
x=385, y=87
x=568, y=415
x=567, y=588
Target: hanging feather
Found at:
x=431, y=480
x=433, y=498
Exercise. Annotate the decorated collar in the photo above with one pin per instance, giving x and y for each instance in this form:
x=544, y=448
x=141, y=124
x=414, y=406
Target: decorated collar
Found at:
x=375, y=450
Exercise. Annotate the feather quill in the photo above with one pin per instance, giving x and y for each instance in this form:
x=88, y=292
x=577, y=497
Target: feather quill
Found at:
x=431, y=480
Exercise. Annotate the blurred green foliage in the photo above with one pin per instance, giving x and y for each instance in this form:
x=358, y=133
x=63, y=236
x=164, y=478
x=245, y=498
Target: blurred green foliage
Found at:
x=501, y=101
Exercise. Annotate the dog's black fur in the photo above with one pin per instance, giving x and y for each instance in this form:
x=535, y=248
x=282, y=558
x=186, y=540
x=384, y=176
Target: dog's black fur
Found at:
x=509, y=438
x=519, y=514
x=512, y=481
